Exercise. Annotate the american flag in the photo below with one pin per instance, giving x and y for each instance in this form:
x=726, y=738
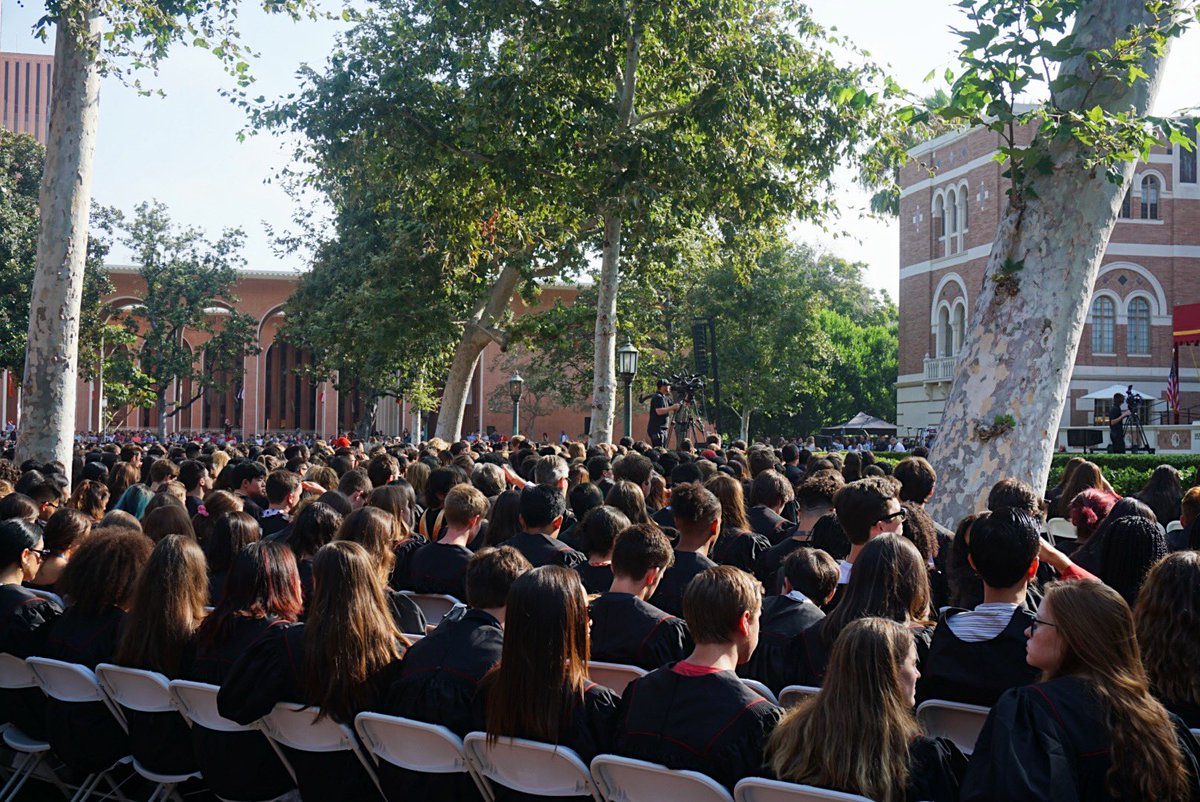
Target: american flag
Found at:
x=1173, y=382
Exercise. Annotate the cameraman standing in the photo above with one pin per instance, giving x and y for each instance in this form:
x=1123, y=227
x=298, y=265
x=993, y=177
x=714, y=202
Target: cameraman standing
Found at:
x=1116, y=425
x=658, y=428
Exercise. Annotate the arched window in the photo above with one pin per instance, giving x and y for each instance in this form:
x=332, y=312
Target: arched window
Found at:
x=960, y=326
x=945, y=333
x=962, y=214
x=1104, y=325
x=1127, y=204
x=939, y=220
x=1187, y=158
x=1139, y=326
x=951, y=220
x=1150, y=198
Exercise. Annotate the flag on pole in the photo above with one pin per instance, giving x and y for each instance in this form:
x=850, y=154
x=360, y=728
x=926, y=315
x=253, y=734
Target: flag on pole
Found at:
x=1173, y=381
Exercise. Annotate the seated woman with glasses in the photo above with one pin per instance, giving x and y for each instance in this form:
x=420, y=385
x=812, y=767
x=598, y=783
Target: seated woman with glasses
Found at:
x=1090, y=730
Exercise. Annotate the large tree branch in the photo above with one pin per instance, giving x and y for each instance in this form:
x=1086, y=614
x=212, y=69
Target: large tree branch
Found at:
x=638, y=119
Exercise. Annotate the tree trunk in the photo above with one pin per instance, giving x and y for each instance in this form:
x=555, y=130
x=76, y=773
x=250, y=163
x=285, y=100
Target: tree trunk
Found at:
x=1024, y=331
x=745, y=418
x=364, y=427
x=604, y=377
x=162, y=415
x=479, y=331
x=47, y=425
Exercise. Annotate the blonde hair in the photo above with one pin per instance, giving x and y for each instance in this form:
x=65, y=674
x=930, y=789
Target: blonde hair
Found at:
x=854, y=735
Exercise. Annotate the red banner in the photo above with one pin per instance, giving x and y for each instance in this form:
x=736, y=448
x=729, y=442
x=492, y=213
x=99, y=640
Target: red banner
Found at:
x=1187, y=324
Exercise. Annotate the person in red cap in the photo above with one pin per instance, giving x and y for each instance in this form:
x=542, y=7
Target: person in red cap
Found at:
x=342, y=442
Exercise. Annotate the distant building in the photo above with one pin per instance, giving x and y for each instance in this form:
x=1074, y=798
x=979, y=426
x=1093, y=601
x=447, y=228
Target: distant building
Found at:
x=1152, y=263
x=25, y=90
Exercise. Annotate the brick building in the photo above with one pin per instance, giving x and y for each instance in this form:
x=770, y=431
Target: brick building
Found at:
x=25, y=82
x=947, y=223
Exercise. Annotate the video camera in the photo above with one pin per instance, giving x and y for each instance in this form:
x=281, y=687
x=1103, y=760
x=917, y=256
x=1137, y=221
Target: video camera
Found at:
x=1132, y=399
x=688, y=384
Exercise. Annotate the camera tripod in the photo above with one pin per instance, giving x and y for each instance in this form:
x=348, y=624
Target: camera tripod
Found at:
x=1137, y=434
x=688, y=421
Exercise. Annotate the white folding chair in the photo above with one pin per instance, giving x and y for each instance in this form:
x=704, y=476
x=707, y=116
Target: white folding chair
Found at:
x=413, y=637
x=15, y=674
x=614, y=676
x=416, y=746
x=76, y=684
x=959, y=722
x=793, y=694
x=145, y=692
x=1060, y=528
x=1174, y=526
x=197, y=701
x=529, y=767
x=623, y=779
x=760, y=689
x=433, y=605
x=753, y=789
x=297, y=727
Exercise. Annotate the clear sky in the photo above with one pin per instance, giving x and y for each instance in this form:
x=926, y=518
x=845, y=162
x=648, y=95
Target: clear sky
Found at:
x=183, y=149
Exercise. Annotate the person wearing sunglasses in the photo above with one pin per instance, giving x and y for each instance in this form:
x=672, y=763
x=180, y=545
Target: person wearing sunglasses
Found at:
x=1090, y=730
x=865, y=508
x=24, y=614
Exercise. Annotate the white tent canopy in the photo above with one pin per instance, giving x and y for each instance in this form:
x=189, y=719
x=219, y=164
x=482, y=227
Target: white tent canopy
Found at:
x=1108, y=392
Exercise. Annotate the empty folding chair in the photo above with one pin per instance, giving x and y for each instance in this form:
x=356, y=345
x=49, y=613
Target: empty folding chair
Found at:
x=144, y=692
x=614, y=676
x=76, y=684
x=433, y=605
x=416, y=746
x=1060, y=529
x=1174, y=526
x=623, y=779
x=291, y=726
x=198, y=702
x=794, y=694
x=760, y=689
x=753, y=789
x=530, y=767
x=954, y=720
x=15, y=674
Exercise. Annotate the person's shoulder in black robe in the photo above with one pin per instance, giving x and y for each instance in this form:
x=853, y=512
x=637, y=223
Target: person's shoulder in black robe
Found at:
x=783, y=620
x=401, y=578
x=596, y=577
x=437, y=682
x=936, y=768
x=1050, y=742
x=976, y=673
x=439, y=568
x=272, y=521
x=407, y=615
x=542, y=550
x=669, y=596
x=664, y=518
x=766, y=567
x=768, y=523
x=627, y=630
x=712, y=724
x=84, y=734
x=26, y=617
x=738, y=548
x=235, y=765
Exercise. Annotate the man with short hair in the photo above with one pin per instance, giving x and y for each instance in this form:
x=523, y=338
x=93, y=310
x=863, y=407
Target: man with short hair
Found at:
x=356, y=486
x=658, y=425
x=540, y=514
x=867, y=508
x=976, y=655
x=698, y=518
x=600, y=470
x=283, y=494
x=250, y=484
x=814, y=499
x=1189, y=512
x=791, y=464
x=162, y=470
x=197, y=481
x=636, y=468
x=383, y=469
x=696, y=714
x=769, y=494
x=441, y=566
x=625, y=628
x=442, y=671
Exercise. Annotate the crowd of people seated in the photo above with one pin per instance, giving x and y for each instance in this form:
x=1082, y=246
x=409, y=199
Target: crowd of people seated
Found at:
x=285, y=573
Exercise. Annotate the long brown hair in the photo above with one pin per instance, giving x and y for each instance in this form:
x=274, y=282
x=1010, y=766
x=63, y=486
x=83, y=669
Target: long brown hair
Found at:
x=542, y=674
x=1168, y=607
x=90, y=498
x=349, y=634
x=889, y=580
x=120, y=478
x=168, y=606
x=1097, y=630
x=396, y=500
x=1087, y=475
x=376, y=531
x=733, y=504
x=854, y=735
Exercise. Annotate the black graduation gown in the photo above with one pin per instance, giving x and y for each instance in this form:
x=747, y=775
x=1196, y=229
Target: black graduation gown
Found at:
x=272, y=522
x=596, y=577
x=738, y=548
x=1188, y=711
x=936, y=769
x=85, y=734
x=783, y=620
x=24, y=616
x=1050, y=742
x=768, y=523
x=542, y=550
x=976, y=673
x=664, y=518
x=437, y=682
x=439, y=568
x=269, y=672
x=627, y=630
x=766, y=567
x=589, y=733
x=669, y=596
x=809, y=656
x=236, y=765
x=401, y=578
x=712, y=724
x=406, y=613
